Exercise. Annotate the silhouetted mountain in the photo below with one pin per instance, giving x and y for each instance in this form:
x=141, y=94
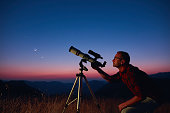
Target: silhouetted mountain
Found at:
x=115, y=90
x=161, y=75
x=51, y=88
x=56, y=87
x=18, y=89
x=94, y=85
x=100, y=88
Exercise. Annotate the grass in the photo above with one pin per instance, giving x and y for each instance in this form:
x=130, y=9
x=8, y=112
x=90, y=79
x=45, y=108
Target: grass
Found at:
x=56, y=105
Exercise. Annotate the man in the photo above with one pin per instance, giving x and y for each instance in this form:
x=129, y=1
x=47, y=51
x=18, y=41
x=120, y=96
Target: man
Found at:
x=139, y=83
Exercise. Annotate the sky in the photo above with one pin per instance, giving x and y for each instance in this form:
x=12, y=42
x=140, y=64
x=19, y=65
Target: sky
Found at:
x=35, y=36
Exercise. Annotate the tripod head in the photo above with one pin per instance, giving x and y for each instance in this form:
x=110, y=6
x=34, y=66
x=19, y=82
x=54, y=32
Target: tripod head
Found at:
x=82, y=67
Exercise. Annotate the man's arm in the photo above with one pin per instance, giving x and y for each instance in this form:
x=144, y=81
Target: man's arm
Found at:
x=104, y=75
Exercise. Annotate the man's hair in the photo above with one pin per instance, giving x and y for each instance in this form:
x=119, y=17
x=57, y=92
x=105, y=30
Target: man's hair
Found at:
x=125, y=56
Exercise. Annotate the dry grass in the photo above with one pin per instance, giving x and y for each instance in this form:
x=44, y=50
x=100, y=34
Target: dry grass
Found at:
x=56, y=105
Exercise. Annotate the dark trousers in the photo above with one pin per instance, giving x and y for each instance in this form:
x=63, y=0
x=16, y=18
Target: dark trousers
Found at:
x=145, y=106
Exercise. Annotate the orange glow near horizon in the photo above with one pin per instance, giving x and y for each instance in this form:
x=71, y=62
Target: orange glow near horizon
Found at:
x=33, y=73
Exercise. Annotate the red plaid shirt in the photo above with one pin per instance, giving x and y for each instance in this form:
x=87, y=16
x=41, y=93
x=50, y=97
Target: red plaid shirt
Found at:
x=139, y=83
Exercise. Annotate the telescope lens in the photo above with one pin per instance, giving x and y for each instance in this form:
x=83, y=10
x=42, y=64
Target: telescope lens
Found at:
x=79, y=53
x=74, y=51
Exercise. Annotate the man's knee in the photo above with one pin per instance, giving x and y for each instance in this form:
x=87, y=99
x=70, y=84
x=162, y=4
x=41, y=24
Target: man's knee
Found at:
x=136, y=110
x=128, y=110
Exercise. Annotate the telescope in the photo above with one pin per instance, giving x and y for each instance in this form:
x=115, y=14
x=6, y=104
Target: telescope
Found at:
x=80, y=76
x=87, y=57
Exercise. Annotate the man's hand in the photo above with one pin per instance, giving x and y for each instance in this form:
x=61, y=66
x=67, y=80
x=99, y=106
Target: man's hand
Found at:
x=129, y=102
x=121, y=106
x=95, y=65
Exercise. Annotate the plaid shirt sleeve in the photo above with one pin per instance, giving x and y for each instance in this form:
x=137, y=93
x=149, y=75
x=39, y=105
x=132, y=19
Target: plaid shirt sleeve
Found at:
x=115, y=77
x=133, y=84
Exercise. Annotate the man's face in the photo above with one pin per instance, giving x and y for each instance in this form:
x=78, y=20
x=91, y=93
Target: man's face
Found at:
x=117, y=60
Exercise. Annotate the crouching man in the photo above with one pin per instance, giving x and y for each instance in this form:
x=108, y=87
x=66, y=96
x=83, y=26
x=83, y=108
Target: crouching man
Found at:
x=146, y=94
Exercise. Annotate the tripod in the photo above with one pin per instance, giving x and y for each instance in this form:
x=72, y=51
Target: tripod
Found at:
x=79, y=77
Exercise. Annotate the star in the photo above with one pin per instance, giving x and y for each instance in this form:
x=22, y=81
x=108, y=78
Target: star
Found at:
x=35, y=50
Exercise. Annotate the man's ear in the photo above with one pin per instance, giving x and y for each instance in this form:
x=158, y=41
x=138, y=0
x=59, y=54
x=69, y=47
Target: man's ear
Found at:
x=122, y=61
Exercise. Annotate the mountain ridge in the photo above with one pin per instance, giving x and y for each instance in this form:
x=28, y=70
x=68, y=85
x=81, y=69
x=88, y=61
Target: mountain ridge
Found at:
x=58, y=87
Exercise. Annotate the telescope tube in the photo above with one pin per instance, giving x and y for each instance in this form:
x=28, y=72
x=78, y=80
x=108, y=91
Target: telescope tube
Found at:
x=81, y=54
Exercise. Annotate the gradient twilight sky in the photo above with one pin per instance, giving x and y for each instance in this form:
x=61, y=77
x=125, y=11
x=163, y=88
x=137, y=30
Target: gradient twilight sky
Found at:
x=36, y=36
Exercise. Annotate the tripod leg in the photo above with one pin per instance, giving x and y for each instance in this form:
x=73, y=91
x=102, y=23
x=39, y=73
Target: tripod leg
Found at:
x=79, y=94
x=70, y=94
x=94, y=97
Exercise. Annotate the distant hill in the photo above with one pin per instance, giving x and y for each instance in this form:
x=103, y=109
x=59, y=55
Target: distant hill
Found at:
x=161, y=75
x=114, y=90
x=50, y=88
x=18, y=89
x=56, y=87
x=100, y=88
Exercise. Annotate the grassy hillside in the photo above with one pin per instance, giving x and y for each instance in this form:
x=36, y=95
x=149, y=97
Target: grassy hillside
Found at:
x=56, y=105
